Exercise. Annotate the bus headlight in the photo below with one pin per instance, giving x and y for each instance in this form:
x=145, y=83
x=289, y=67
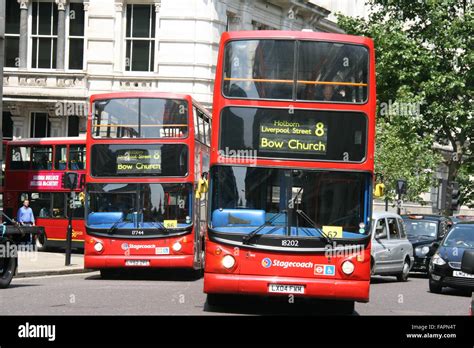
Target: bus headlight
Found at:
x=177, y=246
x=347, y=267
x=98, y=247
x=228, y=261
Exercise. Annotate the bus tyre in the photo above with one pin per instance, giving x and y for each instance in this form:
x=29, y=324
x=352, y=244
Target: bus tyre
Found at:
x=41, y=242
x=216, y=300
x=345, y=307
x=107, y=273
x=7, y=270
x=435, y=287
x=403, y=277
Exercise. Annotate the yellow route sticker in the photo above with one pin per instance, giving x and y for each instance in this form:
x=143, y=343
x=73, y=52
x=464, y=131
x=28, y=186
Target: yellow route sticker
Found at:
x=170, y=223
x=333, y=231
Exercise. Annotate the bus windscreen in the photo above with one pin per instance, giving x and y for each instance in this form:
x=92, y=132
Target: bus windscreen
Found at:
x=299, y=134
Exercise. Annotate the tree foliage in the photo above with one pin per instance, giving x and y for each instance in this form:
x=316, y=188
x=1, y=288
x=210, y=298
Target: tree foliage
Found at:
x=424, y=54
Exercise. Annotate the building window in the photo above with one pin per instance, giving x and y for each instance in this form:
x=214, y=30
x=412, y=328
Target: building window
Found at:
x=140, y=38
x=73, y=126
x=40, y=126
x=261, y=26
x=76, y=36
x=44, y=30
x=233, y=22
x=12, y=34
x=7, y=125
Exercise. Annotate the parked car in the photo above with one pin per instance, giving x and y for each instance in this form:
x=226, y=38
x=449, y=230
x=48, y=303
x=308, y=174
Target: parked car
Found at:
x=467, y=266
x=392, y=253
x=422, y=232
x=445, y=266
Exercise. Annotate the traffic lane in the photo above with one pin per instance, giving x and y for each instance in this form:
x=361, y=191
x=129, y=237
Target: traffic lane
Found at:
x=390, y=297
x=158, y=293
x=171, y=292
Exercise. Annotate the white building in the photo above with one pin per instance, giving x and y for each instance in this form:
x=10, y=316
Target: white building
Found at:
x=60, y=52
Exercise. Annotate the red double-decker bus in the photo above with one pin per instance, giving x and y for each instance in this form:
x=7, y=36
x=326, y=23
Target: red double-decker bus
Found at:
x=33, y=171
x=291, y=167
x=146, y=199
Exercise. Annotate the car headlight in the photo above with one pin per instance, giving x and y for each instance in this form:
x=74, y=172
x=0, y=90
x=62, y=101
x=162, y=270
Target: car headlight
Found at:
x=438, y=260
x=228, y=261
x=422, y=250
x=98, y=247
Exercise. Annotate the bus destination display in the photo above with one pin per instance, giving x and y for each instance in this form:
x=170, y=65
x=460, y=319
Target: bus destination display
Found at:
x=138, y=161
x=293, y=136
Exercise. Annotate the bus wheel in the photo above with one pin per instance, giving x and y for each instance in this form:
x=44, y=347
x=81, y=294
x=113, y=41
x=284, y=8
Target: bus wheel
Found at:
x=7, y=270
x=107, y=273
x=216, y=300
x=41, y=242
x=345, y=307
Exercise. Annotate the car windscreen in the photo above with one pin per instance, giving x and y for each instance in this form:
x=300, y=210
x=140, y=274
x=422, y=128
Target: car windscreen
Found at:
x=421, y=228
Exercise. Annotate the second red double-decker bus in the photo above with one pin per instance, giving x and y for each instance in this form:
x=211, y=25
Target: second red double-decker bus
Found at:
x=146, y=200
x=291, y=167
x=33, y=171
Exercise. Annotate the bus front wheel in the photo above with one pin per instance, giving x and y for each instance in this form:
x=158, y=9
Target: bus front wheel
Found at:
x=216, y=300
x=7, y=270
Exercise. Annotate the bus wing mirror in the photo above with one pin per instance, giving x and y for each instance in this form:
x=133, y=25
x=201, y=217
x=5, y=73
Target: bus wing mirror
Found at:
x=379, y=190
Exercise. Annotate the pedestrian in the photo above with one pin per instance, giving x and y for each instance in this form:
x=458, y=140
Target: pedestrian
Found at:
x=25, y=214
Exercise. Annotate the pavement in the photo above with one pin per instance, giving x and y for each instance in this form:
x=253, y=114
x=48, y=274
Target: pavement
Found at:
x=32, y=263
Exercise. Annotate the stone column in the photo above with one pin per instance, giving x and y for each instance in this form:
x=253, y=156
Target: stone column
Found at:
x=118, y=39
x=55, y=122
x=246, y=17
x=23, y=54
x=20, y=121
x=61, y=46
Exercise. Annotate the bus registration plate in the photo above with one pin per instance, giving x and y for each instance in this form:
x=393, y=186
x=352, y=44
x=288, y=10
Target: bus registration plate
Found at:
x=286, y=289
x=137, y=263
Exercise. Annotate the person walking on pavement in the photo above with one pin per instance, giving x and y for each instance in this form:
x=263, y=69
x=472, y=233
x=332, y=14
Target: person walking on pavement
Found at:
x=25, y=214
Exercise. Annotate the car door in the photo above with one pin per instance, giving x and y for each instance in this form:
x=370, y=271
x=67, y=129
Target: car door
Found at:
x=407, y=248
x=395, y=245
x=380, y=250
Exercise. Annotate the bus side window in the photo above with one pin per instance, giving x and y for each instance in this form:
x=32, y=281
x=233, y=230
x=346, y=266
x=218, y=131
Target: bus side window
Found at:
x=58, y=204
x=42, y=157
x=77, y=157
x=60, y=157
x=20, y=157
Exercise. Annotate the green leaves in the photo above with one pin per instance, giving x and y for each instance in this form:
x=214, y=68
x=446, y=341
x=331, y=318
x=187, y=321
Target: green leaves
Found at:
x=424, y=55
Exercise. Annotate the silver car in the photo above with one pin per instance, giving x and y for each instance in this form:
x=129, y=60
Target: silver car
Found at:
x=392, y=253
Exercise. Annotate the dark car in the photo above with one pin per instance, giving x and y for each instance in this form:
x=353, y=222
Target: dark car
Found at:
x=422, y=232
x=445, y=265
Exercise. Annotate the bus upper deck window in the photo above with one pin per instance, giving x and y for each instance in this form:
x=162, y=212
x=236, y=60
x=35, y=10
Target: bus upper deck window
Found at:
x=42, y=157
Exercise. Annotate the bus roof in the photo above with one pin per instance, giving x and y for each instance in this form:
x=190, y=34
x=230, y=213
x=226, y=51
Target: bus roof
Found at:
x=81, y=139
x=296, y=35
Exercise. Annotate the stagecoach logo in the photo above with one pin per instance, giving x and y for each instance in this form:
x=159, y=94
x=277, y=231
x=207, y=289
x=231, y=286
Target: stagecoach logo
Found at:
x=266, y=263
x=124, y=246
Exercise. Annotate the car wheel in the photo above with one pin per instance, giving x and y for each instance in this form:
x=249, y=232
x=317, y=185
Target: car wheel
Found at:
x=435, y=287
x=7, y=270
x=403, y=277
x=41, y=242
